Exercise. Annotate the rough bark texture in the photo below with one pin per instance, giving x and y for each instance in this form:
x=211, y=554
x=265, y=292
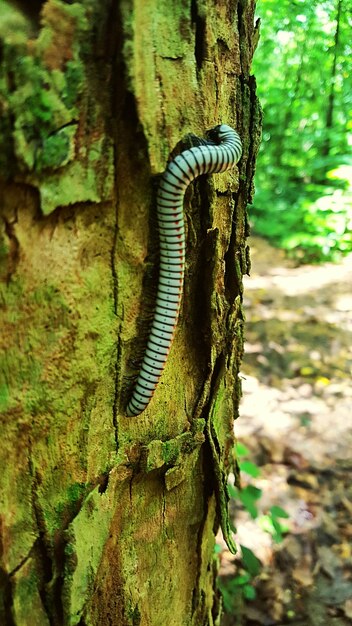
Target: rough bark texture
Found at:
x=107, y=519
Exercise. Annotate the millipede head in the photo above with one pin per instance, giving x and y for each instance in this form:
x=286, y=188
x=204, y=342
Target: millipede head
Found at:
x=219, y=133
x=213, y=134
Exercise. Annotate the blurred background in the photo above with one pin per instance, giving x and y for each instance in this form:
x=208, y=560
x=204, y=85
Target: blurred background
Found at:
x=292, y=514
x=304, y=172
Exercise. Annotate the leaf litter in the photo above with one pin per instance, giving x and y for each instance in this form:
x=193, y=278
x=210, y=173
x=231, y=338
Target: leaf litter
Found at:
x=296, y=421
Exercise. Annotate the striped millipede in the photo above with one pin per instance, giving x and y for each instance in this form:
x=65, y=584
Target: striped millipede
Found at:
x=219, y=152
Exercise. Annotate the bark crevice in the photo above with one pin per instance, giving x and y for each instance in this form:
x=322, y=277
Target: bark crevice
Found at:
x=6, y=600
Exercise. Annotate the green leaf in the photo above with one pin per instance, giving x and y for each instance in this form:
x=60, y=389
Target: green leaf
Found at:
x=253, y=491
x=250, y=468
x=248, y=497
x=248, y=503
x=227, y=598
x=250, y=561
x=241, y=449
x=265, y=522
x=277, y=535
x=232, y=491
x=241, y=579
x=277, y=511
x=249, y=592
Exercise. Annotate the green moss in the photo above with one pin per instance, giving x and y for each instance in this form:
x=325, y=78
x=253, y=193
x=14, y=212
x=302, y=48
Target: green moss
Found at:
x=13, y=24
x=74, y=81
x=27, y=600
x=222, y=415
x=36, y=399
x=38, y=110
x=24, y=363
x=133, y=614
x=4, y=397
x=89, y=531
x=41, y=108
x=75, y=492
x=173, y=451
x=4, y=250
x=77, y=182
x=57, y=149
x=69, y=504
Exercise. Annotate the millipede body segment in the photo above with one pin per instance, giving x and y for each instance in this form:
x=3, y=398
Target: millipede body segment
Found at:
x=219, y=152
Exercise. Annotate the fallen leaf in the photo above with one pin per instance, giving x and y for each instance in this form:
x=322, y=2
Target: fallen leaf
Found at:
x=328, y=561
x=303, y=575
x=347, y=608
x=345, y=550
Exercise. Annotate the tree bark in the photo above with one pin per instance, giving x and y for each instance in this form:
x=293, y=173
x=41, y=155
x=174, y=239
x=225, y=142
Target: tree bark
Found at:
x=107, y=519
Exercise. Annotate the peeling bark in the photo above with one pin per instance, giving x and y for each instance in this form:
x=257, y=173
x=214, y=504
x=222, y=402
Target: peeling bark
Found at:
x=106, y=519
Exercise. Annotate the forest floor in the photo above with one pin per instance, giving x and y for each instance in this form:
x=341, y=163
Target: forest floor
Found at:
x=296, y=421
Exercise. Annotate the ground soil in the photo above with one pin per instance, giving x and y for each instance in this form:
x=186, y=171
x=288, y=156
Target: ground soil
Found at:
x=296, y=421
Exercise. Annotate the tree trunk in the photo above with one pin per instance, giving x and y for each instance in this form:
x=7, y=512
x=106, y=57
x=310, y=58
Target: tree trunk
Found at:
x=331, y=99
x=107, y=519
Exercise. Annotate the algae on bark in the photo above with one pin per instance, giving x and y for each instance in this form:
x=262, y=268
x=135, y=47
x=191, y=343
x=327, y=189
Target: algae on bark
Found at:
x=108, y=519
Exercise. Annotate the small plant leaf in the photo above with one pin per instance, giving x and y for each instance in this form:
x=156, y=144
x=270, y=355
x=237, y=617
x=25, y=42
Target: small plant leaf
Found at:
x=232, y=491
x=241, y=449
x=249, y=592
x=250, y=561
x=277, y=511
x=250, y=468
x=254, y=491
x=241, y=579
x=248, y=497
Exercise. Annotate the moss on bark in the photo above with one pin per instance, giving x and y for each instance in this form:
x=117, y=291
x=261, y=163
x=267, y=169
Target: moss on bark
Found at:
x=108, y=519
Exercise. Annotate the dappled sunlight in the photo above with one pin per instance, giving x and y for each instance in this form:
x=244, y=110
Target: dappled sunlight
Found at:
x=302, y=416
x=293, y=281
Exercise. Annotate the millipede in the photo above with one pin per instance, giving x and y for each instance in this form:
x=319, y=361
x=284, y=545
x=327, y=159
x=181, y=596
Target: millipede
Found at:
x=220, y=150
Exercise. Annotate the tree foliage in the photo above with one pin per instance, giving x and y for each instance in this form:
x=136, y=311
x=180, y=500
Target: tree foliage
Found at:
x=304, y=173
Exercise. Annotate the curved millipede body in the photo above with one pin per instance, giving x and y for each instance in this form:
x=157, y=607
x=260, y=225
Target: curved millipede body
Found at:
x=218, y=153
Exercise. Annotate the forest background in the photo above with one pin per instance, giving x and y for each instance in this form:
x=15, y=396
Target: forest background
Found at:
x=304, y=172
